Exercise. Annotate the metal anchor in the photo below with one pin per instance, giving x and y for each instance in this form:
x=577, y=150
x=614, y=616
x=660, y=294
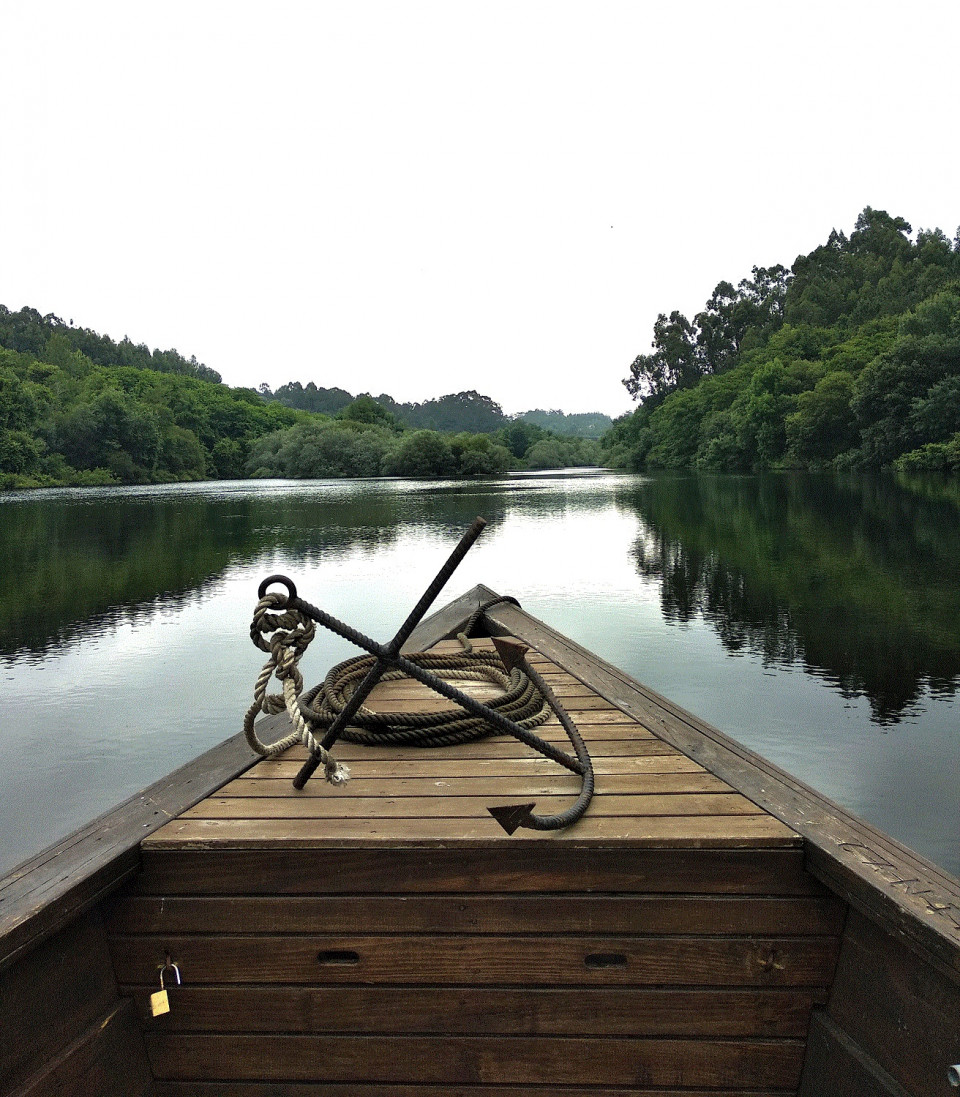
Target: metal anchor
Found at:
x=511, y=652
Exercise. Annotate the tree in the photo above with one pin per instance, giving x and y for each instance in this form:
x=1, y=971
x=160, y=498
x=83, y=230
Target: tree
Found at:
x=685, y=352
x=673, y=364
x=823, y=425
x=366, y=410
x=423, y=453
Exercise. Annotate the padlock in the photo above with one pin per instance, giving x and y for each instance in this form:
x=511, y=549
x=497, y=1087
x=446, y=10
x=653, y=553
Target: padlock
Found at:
x=160, y=999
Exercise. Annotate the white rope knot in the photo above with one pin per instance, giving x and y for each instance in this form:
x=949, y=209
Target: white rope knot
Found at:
x=336, y=772
x=292, y=633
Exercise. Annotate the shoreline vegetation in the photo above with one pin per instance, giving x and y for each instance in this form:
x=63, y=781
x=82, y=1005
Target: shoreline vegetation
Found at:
x=848, y=360
x=78, y=409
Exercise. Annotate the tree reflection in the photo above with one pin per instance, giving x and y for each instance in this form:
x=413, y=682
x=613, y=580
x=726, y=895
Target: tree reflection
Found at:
x=75, y=562
x=858, y=579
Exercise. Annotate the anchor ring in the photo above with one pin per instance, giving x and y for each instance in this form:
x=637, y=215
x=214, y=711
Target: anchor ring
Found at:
x=288, y=583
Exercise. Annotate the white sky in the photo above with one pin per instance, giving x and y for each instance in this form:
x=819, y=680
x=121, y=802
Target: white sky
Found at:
x=423, y=197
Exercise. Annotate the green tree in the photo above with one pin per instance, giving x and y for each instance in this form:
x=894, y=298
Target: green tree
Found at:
x=823, y=425
x=182, y=455
x=423, y=453
x=366, y=410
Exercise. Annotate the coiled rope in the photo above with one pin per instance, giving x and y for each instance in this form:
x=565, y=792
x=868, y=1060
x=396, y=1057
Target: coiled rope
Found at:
x=285, y=636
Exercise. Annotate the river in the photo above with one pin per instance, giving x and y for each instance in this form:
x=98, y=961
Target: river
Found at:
x=816, y=619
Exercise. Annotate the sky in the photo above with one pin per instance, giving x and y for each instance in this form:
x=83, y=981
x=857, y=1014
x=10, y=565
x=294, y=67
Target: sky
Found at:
x=421, y=198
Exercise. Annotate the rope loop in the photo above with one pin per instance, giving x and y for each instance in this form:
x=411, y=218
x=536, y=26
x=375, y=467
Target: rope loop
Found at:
x=284, y=637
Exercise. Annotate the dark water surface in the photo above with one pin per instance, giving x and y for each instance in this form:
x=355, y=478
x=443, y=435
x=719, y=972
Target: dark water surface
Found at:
x=816, y=619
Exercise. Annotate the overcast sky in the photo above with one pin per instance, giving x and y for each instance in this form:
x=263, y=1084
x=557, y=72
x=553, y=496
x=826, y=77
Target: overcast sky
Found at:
x=424, y=197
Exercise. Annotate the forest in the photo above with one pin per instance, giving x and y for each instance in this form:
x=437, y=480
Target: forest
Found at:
x=77, y=408
x=849, y=359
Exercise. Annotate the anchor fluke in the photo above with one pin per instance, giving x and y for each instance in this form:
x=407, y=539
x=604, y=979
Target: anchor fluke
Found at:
x=512, y=816
x=511, y=651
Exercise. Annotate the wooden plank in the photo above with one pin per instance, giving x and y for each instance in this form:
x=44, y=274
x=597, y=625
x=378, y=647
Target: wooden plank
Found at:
x=423, y=699
x=53, y=995
x=902, y=1013
x=361, y=1089
x=534, y=868
x=625, y=740
x=489, y=750
x=495, y=914
x=476, y=1060
x=715, y=832
x=50, y=890
x=894, y=887
x=107, y=1060
x=657, y=758
x=601, y=724
x=502, y=960
x=467, y=1011
x=563, y=684
x=562, y=784
x=915, y=899
x=835, y=1065
x=382, y=807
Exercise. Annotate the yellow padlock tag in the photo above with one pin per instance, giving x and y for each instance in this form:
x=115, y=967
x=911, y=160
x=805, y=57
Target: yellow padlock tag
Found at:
x=160, y=1000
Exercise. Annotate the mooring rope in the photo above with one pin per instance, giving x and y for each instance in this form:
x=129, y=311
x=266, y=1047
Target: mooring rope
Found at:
x=286, y=635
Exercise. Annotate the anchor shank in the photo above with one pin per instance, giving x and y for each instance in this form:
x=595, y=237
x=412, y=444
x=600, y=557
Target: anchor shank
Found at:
x=430, y=594
x=346, y=714
x=334, y=625
x=386, y=656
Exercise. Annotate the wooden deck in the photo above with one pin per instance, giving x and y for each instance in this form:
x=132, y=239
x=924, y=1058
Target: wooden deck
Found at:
x=648, y=793
x=389, y=940
x=390, y=937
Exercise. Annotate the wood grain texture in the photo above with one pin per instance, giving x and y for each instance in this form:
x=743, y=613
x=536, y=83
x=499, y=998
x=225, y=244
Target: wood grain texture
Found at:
x=53, y=995
x=463, y=807
x=479, y=1060
x=494, y=960
x=533, y=868
x=492, y=1011
x=63, y=1027
x=479, y=914
x=915, y=899
x=836, y=1065
x=369, y=810
x=691, y=832
x=361, y=1089
x=901, y=1015
x=107, y=1060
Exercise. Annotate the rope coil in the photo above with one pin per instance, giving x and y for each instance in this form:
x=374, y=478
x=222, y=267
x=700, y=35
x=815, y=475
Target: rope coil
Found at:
x=313, y=712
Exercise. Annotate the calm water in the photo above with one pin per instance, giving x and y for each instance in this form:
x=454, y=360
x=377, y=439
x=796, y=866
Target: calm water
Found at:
x=815, y=619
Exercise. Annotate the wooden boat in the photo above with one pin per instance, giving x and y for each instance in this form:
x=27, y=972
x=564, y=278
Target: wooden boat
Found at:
x=711, y=926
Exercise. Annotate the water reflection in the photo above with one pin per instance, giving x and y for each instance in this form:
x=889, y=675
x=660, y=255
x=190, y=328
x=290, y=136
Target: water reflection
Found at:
x=77, y=562
x=124, y=618
x=856, y=579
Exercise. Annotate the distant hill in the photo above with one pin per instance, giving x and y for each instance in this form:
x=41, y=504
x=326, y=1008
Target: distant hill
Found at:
x=27, y=332
x=469, y=411
x=585, y=424
x=76, y=407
